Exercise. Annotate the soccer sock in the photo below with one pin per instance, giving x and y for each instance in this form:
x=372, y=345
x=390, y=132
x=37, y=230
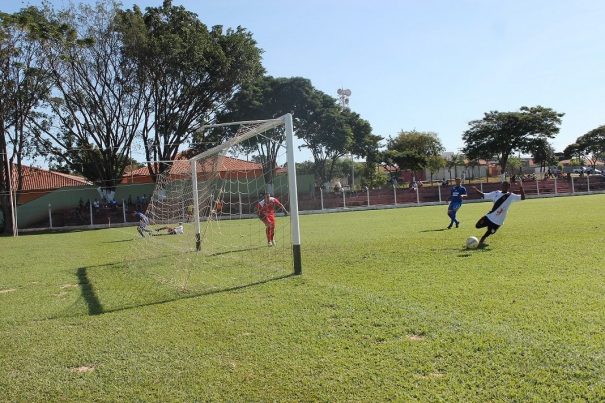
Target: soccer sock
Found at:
x=452, y=216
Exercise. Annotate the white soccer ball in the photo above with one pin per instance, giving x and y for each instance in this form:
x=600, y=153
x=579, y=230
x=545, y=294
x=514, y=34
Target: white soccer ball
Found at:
x=472, y=242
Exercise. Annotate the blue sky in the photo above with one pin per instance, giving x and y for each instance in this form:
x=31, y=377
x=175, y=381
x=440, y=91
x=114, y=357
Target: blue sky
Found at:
x=430, y=65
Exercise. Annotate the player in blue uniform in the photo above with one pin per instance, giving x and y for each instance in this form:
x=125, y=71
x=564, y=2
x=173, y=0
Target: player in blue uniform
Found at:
x=456, y=194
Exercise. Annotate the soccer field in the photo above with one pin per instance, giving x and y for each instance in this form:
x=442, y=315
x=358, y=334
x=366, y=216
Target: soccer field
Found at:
x=390, y=306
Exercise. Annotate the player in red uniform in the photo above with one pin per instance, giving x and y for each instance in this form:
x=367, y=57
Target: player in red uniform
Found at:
x=265, y=209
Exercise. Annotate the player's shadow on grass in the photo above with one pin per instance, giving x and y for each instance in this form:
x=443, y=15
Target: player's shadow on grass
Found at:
x=119, y=240
x=465, y=252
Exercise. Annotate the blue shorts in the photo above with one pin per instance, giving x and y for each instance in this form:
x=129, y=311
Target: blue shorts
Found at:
x=454, y=206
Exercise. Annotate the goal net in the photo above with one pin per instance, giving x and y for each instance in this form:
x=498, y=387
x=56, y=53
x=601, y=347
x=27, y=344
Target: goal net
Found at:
x=215, y=197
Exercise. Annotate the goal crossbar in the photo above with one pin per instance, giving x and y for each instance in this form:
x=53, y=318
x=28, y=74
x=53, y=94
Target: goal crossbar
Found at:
x=263, y=125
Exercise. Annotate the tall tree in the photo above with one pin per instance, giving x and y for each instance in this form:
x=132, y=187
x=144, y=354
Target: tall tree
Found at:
x=100, y=102
x=503, y=133
x=592, y=144
x=330, y=133
x=325, y=130
x=575, y=151
x=326, y=134
x=514, y=166
x=191, y=72
x=434, y=164
x=543, y=153
x=455, y=161
x=266, y=98
x=412, y=149
x=24, y=86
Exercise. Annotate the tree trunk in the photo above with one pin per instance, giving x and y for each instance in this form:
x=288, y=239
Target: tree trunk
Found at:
x=5, y=185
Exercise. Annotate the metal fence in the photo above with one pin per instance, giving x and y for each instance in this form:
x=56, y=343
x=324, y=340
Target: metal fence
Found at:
x=67, y=209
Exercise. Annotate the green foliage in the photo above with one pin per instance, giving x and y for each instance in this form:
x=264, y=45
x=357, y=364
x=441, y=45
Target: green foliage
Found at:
x=305, y=168
x=543, y=153
x=577, y=162
x=389, y=307
x=576, y=153
x=435, y=163
x=98, y=104
x=500, y=134
x=514, y=165
x=25, y=85
x=189, y=71
x=330, y=133
x=591, y=144
x=374, y=178
x=412, y=150
x=456, y=160
x=263, y=99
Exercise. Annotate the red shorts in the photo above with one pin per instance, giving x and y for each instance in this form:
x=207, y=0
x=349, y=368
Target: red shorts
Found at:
x=269, y=219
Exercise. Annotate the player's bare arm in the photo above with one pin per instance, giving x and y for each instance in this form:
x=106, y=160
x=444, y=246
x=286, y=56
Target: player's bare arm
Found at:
x=283, y=208
x=478, y=191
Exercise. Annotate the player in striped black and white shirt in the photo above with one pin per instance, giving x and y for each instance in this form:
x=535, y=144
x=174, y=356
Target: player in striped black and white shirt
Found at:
x=495, y=217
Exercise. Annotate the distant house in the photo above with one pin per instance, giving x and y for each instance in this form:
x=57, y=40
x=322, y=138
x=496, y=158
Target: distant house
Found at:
x=37, y=182
x=225, y=167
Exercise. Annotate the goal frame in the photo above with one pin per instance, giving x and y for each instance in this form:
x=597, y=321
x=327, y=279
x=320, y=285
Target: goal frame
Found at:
x=263, y=125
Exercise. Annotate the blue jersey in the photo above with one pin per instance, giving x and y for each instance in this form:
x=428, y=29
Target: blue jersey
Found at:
x=456, y=195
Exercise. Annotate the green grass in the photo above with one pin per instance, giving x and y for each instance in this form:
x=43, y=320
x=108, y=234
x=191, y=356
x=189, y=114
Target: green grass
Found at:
x=390, y=307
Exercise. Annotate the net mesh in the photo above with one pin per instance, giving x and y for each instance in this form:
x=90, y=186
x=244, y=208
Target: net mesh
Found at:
x=234, y=246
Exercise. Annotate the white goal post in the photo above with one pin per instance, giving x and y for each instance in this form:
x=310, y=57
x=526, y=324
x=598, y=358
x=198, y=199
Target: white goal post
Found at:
x=256, y=128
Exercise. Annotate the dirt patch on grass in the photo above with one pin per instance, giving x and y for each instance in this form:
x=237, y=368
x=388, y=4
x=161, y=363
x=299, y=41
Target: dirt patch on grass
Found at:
x=432, y=375
x=83, y=369
x=415, y=337
x=68, y=286
x=6, y=291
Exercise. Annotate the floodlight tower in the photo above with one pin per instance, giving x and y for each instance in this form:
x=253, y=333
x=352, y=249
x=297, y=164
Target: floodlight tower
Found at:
x=343, y=95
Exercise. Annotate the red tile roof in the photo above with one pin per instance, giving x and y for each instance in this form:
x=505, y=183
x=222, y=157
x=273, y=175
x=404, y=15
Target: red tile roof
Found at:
x=42, y=179
x=183, y=167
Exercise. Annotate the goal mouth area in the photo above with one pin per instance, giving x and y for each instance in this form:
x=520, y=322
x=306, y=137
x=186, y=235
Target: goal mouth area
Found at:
x=224, y=190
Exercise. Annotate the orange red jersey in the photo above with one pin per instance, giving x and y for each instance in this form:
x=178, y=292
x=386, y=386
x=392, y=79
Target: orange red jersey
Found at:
x=267, y=209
